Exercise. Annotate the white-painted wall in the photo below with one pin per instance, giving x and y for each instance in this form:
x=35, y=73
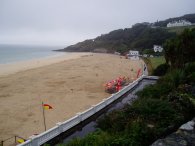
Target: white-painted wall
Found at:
x=157, y=48
x=133, y=55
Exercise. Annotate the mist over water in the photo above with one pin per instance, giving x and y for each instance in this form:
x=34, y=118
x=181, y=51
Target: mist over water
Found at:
x=15, y=53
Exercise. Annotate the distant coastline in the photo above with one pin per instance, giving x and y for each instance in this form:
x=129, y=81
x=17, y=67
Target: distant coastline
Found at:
x=10, y=53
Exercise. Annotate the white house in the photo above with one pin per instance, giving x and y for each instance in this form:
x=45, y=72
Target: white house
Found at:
x=158, y=48
x=179, y=23
x=133, y=55
x=145, y=55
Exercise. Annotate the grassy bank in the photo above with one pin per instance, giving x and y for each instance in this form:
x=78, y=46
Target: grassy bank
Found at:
x=156, y=61
x=153, y=63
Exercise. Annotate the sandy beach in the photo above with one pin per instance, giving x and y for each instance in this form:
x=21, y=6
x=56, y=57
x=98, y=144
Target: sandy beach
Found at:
x=69, y=83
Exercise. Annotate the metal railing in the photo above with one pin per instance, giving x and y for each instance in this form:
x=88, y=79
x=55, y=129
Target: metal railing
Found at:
x=64, y=126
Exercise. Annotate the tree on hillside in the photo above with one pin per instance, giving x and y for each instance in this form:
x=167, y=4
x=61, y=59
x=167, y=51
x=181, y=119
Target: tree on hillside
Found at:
x=180, y=50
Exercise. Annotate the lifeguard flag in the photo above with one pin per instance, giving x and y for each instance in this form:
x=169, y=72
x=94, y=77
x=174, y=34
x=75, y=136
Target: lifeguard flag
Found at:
x=138, y=72
x=47, y=106
x=21, y=140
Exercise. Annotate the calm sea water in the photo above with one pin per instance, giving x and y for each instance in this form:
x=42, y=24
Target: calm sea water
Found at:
x=15, y=53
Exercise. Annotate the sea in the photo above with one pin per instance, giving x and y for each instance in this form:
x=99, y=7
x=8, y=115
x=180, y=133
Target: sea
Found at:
x=10, y=53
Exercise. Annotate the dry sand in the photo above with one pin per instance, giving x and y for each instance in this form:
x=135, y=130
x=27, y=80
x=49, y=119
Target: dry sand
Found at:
x=70, y=84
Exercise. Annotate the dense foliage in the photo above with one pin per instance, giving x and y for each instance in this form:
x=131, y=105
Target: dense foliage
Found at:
x=161, y=70
x=181, y=49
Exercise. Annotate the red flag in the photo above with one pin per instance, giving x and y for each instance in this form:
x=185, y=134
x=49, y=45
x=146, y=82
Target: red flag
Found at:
x=47, y=106
x=138, y=72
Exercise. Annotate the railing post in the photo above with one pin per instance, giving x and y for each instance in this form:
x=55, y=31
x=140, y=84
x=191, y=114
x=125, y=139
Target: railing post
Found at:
x=60, y=128
x=79, y=116
x=15, y=139
x=113, y=96
x=105, y=103
x=94, y=108
x=34, y=140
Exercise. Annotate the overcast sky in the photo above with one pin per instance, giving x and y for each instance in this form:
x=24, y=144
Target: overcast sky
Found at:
x=65, y=22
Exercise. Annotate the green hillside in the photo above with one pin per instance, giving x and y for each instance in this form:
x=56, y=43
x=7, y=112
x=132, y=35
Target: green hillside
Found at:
x=140, y=36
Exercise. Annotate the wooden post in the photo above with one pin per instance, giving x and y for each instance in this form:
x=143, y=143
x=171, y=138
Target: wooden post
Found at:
x=44, y=116
x=15, y=139
x=2, y=143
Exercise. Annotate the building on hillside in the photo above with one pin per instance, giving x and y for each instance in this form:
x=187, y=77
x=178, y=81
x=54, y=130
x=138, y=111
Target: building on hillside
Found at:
x=133, y=55
x=145, y=55
x=179, y=23
x=157, y=48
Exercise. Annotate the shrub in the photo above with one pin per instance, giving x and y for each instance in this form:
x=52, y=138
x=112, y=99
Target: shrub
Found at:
x=191, y=78
x=189, y=68
x=155, y=91
x=138, y=134
x=182, y=104
x=98, y=138
x=161, y=70
x=160, y=112
x=164, y=85
x=173, y=78
x=113, y=122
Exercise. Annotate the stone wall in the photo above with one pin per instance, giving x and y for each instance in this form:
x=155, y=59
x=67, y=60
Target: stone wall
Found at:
x=184, y=136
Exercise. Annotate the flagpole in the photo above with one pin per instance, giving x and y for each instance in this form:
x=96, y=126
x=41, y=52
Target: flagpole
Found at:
x=44, y=116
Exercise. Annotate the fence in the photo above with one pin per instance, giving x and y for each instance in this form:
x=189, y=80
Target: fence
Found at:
x=64, y=126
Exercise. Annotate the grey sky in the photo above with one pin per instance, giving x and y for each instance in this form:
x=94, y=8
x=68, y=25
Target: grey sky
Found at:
x=69, y=21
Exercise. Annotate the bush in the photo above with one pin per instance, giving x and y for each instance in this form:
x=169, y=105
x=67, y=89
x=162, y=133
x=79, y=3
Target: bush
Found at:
x=98, y=138
x=182, y=104
x=164, y=85
x=190, y=79
x=138, y=134
x=173, y=78
x=135, y=120
x=155, y=91
x=161, y=70
x=112, y=122
x=189, y=68
x=156, y=111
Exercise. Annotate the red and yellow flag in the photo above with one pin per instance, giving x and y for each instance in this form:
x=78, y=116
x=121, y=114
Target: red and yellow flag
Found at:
x=47, y=106
x=20, y=140
x=138, y=72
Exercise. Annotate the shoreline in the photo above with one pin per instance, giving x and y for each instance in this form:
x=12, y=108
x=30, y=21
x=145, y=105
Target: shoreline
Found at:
x=15, y=67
